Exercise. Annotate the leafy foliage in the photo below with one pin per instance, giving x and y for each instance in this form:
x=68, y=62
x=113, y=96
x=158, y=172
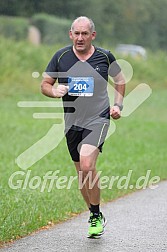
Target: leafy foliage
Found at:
x=129, y=21
x=53, y=29
x=15, y=28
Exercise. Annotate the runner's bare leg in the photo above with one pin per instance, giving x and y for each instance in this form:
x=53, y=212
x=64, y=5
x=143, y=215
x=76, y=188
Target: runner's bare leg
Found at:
x=83, y=188
x=88, y=158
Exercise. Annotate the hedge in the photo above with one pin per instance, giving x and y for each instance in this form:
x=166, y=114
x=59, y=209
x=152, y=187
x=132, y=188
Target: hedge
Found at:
x=14, y=27
x=53, y=29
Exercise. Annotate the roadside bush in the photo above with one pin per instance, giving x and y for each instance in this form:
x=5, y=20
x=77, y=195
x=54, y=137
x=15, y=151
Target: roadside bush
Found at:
x=53, y=29
x=14, y=27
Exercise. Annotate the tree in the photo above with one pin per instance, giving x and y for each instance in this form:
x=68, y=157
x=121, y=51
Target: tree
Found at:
x=129, y=21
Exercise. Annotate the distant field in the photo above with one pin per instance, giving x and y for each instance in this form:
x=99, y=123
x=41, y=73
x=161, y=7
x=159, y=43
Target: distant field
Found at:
x=138, y=144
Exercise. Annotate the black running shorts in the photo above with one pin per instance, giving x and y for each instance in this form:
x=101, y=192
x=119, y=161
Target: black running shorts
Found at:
x=95, y=136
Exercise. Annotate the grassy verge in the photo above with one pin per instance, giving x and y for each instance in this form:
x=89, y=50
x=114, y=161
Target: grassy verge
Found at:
x=138, y=144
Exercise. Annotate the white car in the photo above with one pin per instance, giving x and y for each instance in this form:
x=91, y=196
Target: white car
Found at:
x=134, y=51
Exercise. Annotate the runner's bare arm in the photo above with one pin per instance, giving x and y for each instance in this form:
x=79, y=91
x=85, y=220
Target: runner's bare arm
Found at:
x=48, y=89
x=119, y=82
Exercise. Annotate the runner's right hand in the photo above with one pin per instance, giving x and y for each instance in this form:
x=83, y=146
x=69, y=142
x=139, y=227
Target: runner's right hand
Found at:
x=60, y=91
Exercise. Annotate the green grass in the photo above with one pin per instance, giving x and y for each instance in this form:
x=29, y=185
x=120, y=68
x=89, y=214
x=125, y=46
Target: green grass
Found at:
x=138, y=144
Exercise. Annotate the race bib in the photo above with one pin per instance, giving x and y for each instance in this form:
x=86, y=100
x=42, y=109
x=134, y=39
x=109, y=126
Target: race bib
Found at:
x=81, y=86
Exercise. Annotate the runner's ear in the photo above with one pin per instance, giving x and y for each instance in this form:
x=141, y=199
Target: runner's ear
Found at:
x=70, y=34
x=93, y=35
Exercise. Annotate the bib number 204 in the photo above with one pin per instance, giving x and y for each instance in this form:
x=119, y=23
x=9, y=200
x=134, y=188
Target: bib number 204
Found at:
x=79, y=86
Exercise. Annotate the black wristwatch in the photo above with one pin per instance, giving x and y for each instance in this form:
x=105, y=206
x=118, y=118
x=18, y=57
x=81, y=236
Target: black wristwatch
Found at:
x=118, y=105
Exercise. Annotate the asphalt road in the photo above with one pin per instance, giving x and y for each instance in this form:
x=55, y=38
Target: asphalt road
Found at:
x=137, y=222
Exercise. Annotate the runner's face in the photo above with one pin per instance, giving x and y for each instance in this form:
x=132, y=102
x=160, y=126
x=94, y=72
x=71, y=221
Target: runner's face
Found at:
x=82, y=36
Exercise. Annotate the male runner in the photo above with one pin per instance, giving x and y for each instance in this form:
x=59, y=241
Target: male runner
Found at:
x=82, y=71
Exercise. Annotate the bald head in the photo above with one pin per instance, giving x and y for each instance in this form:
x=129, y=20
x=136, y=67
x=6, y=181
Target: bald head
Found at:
x=86, y=20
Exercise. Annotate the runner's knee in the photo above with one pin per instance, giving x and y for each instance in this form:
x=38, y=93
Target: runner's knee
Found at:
x=86, y=164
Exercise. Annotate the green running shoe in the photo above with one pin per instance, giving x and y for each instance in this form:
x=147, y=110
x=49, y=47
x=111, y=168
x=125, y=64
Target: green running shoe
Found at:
x=97, y=224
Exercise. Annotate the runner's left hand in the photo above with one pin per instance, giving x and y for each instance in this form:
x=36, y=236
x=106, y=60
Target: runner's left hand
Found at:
x=115, y=112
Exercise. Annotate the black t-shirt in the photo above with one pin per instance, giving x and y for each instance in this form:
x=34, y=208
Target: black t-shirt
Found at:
x=65, y=64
